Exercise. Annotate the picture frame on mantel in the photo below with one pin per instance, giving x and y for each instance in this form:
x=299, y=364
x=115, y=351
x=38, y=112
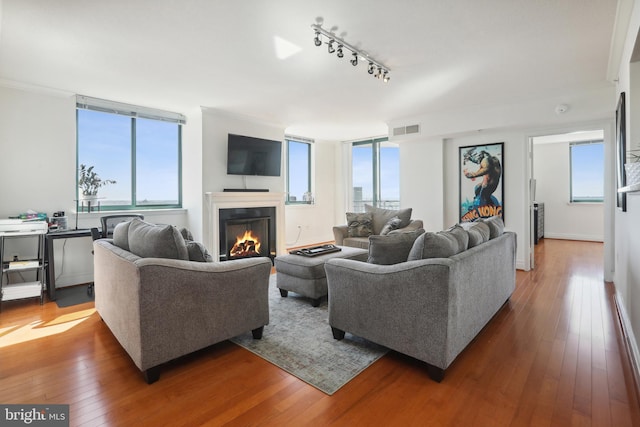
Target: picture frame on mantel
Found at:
x=621, y=152
x=481, y=188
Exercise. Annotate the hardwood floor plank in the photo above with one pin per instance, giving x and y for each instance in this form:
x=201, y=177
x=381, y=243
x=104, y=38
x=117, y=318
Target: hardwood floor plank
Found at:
x=552, y=356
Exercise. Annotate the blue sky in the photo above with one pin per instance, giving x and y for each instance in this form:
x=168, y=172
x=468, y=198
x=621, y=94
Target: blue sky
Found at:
x=105, y=143
x=587, y=170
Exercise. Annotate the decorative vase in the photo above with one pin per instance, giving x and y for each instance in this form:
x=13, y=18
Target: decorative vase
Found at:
x=633, y=173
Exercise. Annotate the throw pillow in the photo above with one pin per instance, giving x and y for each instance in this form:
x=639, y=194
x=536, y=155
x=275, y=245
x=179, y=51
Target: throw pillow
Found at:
x=434, y=245
x=496, y=226
x=121, y=235
x=478, y=234
x=156, y=241
x=186, y=234
x=392, y=248
x=382, y=216
x=392, y=224
x=461, y=236
x=197, y=252
x=359, y=224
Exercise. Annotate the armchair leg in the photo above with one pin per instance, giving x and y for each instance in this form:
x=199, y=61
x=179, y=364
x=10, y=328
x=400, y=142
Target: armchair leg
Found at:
x=257, y=333
x=337, y=333
x=435, y=373
x=315, y=302
x=151, y=375
x=284, y=293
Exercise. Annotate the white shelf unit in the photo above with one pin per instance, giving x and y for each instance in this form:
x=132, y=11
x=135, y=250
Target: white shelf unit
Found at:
x=30, y=289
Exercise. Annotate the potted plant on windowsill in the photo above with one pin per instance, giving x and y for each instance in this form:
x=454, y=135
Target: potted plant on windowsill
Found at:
x=89, y=182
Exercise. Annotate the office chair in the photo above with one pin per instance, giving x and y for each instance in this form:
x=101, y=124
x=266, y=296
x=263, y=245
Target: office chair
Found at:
x=109, y=222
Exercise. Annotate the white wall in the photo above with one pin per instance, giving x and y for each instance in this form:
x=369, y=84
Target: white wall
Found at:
x=422, y=180
x=309, y=224
x=563, y=220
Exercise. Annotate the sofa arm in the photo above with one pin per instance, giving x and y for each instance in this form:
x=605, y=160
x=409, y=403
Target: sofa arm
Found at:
x=339, y=233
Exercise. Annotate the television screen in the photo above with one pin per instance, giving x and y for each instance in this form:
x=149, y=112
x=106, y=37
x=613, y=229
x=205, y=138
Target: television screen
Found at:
x=253, y=156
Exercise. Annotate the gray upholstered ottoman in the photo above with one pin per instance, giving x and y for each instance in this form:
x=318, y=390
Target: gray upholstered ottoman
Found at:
x=305, y=275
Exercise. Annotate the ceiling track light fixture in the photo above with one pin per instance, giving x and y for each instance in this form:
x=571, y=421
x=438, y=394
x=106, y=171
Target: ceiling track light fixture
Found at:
x=376, y=68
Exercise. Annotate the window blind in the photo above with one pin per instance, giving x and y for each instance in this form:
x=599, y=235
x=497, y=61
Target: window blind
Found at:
x=106, y=106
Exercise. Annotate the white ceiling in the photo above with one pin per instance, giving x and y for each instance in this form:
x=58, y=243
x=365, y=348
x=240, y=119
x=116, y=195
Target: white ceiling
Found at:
x=180, y=55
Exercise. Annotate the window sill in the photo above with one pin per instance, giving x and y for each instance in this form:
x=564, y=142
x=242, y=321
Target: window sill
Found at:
x=145, y=212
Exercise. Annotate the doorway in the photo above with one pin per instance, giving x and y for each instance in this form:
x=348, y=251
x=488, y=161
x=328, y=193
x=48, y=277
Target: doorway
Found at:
x=567, y=187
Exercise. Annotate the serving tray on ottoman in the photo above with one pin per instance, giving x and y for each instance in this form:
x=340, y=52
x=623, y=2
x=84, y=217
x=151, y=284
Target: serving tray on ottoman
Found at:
x=316, y=250
x=305, y=275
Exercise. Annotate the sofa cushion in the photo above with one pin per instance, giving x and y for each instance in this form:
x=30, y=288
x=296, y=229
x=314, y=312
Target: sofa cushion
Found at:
x=434, y=245
x=121, y=235
x=156, y=241
x=496, y=226
x=360, y=224
x=392, y=224
x=461, y=236
x=382, y=216
x=478, y=234
x=392, y=248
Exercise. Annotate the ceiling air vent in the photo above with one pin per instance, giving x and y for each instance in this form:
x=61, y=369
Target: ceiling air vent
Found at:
x=406, y=130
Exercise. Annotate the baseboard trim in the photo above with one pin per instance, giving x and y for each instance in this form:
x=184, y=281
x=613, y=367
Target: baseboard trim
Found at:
x=563, y=236
x=630, y=344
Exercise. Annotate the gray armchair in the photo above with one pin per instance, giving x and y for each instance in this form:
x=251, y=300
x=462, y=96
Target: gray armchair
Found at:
x=160, y=308
x=379, y=218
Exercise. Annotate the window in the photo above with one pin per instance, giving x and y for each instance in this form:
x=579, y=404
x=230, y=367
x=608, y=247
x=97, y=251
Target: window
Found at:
x=587, y=171
x=299, y=171
x=375, y=174
x=136, y=153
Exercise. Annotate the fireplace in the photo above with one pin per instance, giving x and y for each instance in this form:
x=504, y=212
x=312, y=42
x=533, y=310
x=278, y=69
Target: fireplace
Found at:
x=247, y=232
x=232, y=205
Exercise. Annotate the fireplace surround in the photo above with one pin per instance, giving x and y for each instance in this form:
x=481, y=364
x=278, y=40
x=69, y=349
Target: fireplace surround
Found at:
x=250, y=205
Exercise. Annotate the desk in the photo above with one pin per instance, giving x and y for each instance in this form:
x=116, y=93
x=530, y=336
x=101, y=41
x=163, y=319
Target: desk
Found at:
x=50, y=253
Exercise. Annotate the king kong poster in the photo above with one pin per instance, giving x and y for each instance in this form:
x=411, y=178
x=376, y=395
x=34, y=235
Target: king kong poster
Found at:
x=481, y=190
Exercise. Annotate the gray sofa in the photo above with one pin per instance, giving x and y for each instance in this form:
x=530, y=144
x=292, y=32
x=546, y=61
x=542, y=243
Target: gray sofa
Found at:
x=429, y=309
x=160, y=308
x=373, y=222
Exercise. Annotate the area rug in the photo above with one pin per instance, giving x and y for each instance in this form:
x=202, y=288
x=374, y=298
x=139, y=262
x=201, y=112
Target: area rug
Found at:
x=72, y=295
x=298, y=340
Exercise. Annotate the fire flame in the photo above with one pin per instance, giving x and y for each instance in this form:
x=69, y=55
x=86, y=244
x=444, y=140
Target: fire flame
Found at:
x=246, y=245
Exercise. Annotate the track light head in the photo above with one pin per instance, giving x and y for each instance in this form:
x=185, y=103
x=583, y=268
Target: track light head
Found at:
x=386, y=76
x=370, y=70
x=317, y=40
x=378, y=73
x=330, y=46
x=354, y=61
x=340, y=53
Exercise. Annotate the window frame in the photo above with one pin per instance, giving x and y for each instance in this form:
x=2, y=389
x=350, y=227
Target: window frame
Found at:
x=134, y=113
x=310, y=153
x=376, y=160
x=572, y=199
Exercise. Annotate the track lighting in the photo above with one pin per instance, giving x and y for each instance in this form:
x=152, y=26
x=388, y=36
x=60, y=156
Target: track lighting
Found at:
x=376, y=68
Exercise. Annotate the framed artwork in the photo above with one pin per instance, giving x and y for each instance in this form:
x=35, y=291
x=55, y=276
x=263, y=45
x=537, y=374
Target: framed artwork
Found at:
x=481, y=181
x=621, y=153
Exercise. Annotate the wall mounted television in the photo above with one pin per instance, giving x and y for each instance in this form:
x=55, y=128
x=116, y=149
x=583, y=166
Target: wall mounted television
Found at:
x=247, y=155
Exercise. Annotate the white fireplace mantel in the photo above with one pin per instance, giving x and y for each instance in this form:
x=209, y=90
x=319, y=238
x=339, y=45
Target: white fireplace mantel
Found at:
x=240, y=199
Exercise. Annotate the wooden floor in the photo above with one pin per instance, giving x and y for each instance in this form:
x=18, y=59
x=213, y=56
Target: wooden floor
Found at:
x=553, y=356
